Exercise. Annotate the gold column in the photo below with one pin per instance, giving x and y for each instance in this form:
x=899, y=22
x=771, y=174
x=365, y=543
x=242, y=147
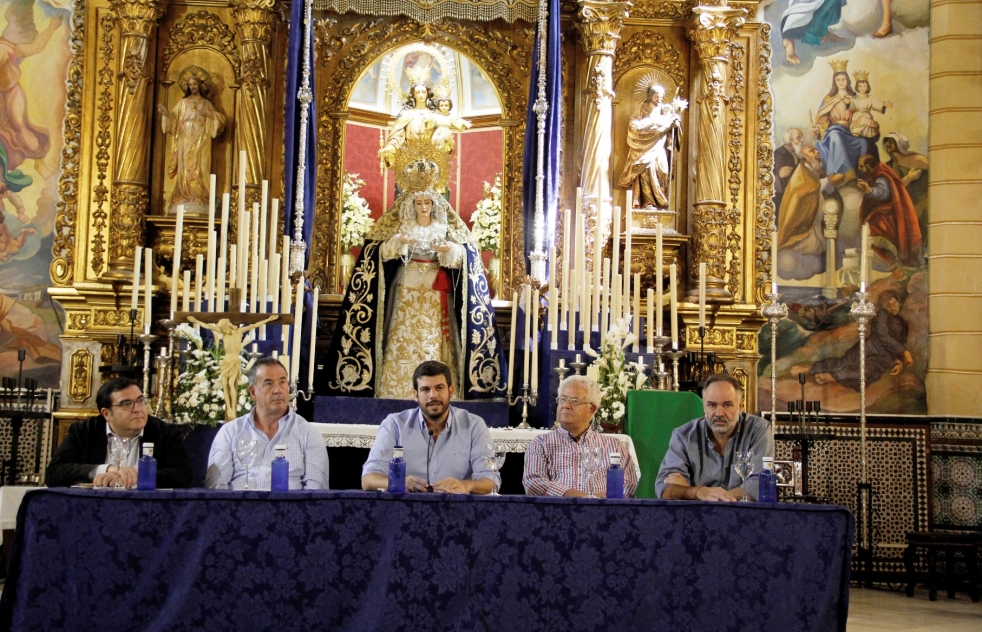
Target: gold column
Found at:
x=711, y=32
x=254, y=20
x=137, y=19
x=599, y=25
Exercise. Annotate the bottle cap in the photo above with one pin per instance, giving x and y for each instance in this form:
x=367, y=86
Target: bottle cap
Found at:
x=397, y=452
x=615, y=457
x=768, y=460
x=148, y=449
x=280, y=449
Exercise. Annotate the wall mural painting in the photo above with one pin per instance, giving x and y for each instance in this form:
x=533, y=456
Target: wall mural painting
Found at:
x=850, y=89
x=34, y=57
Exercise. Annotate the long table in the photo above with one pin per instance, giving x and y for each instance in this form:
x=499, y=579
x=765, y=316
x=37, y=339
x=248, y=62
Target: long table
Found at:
x=198, y=560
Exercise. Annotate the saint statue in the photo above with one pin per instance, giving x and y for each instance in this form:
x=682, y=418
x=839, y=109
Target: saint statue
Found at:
x=418, y=290
x=653, y=142
x=194, y=123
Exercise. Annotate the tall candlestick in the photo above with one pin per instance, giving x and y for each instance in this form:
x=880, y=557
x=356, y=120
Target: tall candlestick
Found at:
x=297, y=332
x=511, y=346
x=199, y=278
x=534, y=375
x=659, y=258
x=176, y=269
x=186, y=292
x=647, y=330
x=527, y=305
x=567, y=255
x=774, y=262
x=220, y=288
x=637, y=312
x=702, y=294
x=313, y=340
x=137, y=261
x=673, y=299
x=605, y=303
x=148, y=292
x=210, y=255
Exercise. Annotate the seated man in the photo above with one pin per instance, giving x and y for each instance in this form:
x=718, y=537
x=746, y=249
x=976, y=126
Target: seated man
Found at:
x=701, y=454
x=269, y=423
x=83, y=457
x=444, y=447
x=552, y=461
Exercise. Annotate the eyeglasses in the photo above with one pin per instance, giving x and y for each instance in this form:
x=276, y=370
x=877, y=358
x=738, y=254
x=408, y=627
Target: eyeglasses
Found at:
x=128, y=404
x=572, y=401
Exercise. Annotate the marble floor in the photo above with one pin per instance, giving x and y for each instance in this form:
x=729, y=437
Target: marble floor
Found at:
x=875, y=610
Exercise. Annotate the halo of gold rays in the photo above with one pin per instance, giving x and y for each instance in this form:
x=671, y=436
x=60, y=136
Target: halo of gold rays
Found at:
x=654, y=77
x=419, y=74
x=202, y=75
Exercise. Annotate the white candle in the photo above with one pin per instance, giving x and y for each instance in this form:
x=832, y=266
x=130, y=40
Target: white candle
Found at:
x=571, y=339
x=148, y=291
x=577, y=358
x=774, y=262
x=263, y=279
x=264, y=220
x=186, y=292
x=274, y=283
x=527, y=306
x=862, y=258
x=534, y=342
x=313, y=340
x=274, y=227
x=199, y=264
x=567, y=254
x=615, y=285
x=615, y=249
x=562, y=363
x=511, y=346
x=629, y=199
x=242, y=183
x=242, y=282
x=605, y=303
x=233, y=260
x=553, y=296
x=285, y=277
x=674, y=303
x=176, y=269
x=627, y=253
x=223, y=239
x=647, y=330
x=659, y=258
x=254, y=260
x=702, y=295
x=297, y=333
x=595, y=293
x=137, y=261
x=220, y=288
x=210, y=255
x=637, y=313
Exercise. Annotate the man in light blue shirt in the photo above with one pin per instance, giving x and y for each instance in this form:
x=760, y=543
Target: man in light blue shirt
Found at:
x=270, y=423
x=445, y=448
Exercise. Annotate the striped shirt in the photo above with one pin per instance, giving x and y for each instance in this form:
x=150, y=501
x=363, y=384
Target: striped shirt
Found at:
x=552, y=464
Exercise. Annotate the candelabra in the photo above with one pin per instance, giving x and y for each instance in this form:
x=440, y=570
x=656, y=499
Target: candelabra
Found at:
x=862, y=311
x=165, y=372
x=561, y=371
x=146, y=340
x=675, y=354
x=578, y=367
x=657, y=370
x=527, y=398
x=774, y=311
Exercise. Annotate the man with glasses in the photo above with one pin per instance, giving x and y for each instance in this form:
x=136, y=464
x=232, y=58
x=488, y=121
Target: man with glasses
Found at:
x=553, y=461
x=702, y=452
x=84, y=457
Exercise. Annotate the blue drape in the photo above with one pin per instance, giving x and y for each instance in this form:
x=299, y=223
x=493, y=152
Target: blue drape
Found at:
x=553, y=132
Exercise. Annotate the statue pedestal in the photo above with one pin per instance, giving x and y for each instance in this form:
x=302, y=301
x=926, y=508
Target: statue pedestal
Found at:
x=643, y=253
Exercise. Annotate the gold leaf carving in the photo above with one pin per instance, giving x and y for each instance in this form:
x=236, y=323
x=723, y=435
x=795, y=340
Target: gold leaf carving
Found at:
x=648, y=48
x=80, y=387
x=764, y=203
x=715, y=337
x=113, y=318
x=103, y=141
x=201, y=30
x=741, y=376
x=746, y=341
x=735, y=164
x=77, y=321
x=662, y=10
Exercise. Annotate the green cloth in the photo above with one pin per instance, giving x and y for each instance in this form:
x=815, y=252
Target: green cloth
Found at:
x=651, y=418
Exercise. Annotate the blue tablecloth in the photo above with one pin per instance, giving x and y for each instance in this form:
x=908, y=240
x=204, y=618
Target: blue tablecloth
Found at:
x=196, y=560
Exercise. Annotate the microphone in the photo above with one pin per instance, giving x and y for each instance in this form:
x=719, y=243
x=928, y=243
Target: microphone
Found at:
x=429, y=445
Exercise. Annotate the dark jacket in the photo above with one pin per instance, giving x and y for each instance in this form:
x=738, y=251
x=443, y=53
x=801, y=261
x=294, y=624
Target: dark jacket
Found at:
x=86, y=446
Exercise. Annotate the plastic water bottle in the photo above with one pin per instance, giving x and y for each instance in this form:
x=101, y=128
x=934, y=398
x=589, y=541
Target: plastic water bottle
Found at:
x=397, y=471
x=146, y=469
x=280, y=475
x=615, y=477
x=767, y=482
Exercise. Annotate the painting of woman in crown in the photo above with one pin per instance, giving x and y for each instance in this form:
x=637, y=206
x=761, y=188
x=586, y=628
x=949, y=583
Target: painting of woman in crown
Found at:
x=418, y=289
x=839, y=149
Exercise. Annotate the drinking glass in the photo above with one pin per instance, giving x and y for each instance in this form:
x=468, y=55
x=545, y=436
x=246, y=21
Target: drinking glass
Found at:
x=245, y=450
x=744, y=467
x=495, y=459
x=119, y=449
x=590, y=459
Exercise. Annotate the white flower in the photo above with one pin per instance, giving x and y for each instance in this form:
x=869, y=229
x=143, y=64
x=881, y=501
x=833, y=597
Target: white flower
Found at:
x=486, y=219
x=356, y=218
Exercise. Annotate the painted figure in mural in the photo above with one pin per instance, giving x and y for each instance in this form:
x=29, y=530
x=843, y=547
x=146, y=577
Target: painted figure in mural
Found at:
x=194, y=123
x=11, y=244
x=912, y=168
x=446, y=124
x=840, y=150
x=799, y=218
x=890, y=213
x=21, y=140
x=809, y=21
x=20, y=328
x=415, y=120
x=864, y=104
x=885, y=350
x=652, y=140
x=786, y=158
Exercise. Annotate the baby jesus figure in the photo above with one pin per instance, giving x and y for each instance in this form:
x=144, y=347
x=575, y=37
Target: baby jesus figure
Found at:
x=446, y=125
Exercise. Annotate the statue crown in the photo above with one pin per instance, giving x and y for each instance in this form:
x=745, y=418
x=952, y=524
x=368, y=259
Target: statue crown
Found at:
x=839, y=65
x=419, y=165
x=419, y=74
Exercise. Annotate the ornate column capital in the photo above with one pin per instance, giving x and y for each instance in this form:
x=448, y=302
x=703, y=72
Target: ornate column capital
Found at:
x=712, y=29
x=254, y=19
x=138, y=17
x=600, y=25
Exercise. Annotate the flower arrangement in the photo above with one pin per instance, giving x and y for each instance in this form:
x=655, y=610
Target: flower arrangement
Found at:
x=486, y=221
x=356, y=219
x=614, y=375
x=199, y=398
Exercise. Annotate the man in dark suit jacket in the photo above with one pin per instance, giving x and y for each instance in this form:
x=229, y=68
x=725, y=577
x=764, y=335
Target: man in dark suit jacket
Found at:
x=81, y=458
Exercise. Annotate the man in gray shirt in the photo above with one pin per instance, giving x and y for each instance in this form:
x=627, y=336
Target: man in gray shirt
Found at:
x=444, y=447
x=700, y=458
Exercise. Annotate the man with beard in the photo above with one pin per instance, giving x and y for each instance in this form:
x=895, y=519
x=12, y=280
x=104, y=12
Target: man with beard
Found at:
x=701, y=454
x=803, y=197
x=445, y=448
x=889, y=211
x=785, y=160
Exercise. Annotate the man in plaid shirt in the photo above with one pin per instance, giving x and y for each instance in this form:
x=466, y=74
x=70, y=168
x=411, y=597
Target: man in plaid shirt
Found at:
x=552, y=461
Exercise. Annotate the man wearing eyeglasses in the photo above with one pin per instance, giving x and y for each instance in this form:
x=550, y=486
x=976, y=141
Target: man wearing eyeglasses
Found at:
x=701, y=454
x=553, y=460
x=83, y=457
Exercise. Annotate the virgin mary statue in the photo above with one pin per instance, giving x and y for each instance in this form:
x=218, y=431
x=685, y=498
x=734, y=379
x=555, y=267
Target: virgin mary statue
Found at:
x=418, y=290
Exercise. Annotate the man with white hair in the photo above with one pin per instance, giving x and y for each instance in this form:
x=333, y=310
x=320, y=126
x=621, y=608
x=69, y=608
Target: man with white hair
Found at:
x=786, y=158
x=552, y=461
